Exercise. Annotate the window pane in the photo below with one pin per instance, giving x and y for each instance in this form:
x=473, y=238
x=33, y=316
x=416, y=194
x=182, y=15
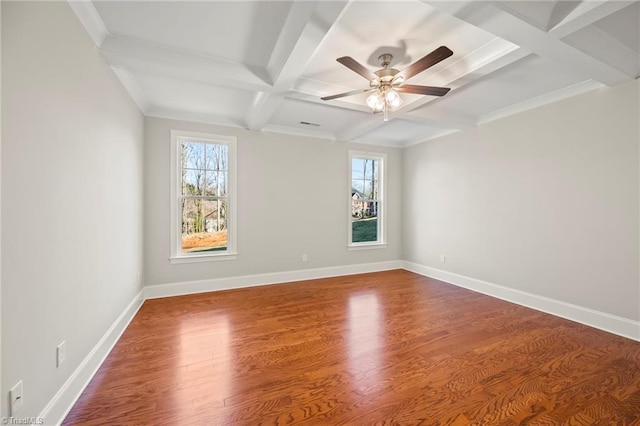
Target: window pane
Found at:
x=223, y=184
x=192, y=154
x=371, y=189
x=211, y=180
x=211, y=156
x=369, y=166
x=223, y=152
x=357, y=186
x=357, y=168
x=364, y=224
x=192, y=182
x=203, y=225
x=217, y=155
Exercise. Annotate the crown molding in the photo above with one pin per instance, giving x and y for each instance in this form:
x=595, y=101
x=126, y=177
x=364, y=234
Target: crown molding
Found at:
x=90, y=19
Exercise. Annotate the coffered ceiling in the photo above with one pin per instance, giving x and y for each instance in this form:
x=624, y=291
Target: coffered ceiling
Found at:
x=264, y=65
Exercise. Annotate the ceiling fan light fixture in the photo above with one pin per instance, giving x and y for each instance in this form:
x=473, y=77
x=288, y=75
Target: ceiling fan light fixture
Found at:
x=397, y=80
x=386, y=82
x=393, y=99
x=376, y=101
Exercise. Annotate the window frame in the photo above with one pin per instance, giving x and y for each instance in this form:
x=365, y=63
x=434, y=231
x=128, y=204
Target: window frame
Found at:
x=381, y=242
x=177, y=255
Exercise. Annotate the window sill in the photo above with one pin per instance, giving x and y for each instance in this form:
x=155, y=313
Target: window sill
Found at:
x=202, y=258
x=367, y=246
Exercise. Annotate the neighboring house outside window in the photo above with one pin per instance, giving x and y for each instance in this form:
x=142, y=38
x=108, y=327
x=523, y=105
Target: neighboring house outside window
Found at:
x=366, y=202
x=203, y=189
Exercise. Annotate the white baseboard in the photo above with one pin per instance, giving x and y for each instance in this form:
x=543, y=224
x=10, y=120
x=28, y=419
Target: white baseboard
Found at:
x=600, y=320
x=60, y=405
x=216, y=284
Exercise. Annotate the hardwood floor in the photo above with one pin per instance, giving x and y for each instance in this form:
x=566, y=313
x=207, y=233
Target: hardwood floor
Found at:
x=385, y=348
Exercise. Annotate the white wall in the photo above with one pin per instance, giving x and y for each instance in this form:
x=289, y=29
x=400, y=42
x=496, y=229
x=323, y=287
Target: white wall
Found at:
x=545, y=202
x=292, y=199
x=71, y=197
x=1, y=407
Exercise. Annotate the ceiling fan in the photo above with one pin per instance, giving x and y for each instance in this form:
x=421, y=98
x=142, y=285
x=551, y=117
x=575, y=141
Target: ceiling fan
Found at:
x=385, y=83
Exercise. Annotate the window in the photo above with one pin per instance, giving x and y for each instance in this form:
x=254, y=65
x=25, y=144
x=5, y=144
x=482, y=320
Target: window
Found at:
x=366, y=202
x=203, y=225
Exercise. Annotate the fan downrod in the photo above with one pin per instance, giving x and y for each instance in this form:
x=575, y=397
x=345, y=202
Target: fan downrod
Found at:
x=385, y=59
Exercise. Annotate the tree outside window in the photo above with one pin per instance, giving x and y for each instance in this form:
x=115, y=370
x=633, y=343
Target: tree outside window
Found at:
x=204, y=194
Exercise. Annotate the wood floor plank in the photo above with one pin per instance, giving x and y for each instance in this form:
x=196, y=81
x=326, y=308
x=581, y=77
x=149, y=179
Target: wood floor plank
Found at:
x=383, y=348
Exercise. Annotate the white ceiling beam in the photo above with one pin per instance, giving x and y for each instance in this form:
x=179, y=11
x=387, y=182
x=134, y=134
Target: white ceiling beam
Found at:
x=446, y=120
x=90, y=19
x=443, y=118
x=355, y=130
x=341, y=103
x=311, y=133
x=299, y=15
x=196, y=117
x=133, y=88
x=496, y=20
x=436, y=135
x=139, y=56
x=324, y=15
x=547, y=98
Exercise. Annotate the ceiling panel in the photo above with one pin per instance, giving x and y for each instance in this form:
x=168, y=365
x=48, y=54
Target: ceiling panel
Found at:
x=407, y=30
x=400, y=132
x=329, y=118
x=521, y=81
x=241, y=31
x=623, y=26
x=265, y=65
x=536, y=12
x=216, y=101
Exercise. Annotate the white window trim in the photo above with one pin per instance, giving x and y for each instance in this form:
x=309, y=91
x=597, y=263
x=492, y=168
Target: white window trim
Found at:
x=176, y=255
x=382, y=189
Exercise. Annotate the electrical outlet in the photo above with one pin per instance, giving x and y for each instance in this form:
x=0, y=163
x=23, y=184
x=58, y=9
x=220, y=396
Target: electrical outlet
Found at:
x=305, y=258
x=61, y=354
x=443, y=258
x=17, y=399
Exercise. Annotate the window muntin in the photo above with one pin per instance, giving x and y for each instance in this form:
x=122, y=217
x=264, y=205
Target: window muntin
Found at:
x=366, y=207
x=203, y=222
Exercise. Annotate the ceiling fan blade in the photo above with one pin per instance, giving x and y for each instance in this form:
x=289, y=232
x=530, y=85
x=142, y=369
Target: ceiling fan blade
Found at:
x=342, y=95
x=441, y=53
x=355, y=66
x=423, y=90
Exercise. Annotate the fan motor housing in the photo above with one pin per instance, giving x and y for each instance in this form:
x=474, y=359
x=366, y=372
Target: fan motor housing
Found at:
x=386, y=74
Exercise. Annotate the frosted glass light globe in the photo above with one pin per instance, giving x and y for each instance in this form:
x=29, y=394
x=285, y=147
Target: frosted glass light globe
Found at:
x=375, y=101
x=393, y=99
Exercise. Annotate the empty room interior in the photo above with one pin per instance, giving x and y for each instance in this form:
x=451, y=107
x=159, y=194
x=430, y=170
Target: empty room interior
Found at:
x=320, y=212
